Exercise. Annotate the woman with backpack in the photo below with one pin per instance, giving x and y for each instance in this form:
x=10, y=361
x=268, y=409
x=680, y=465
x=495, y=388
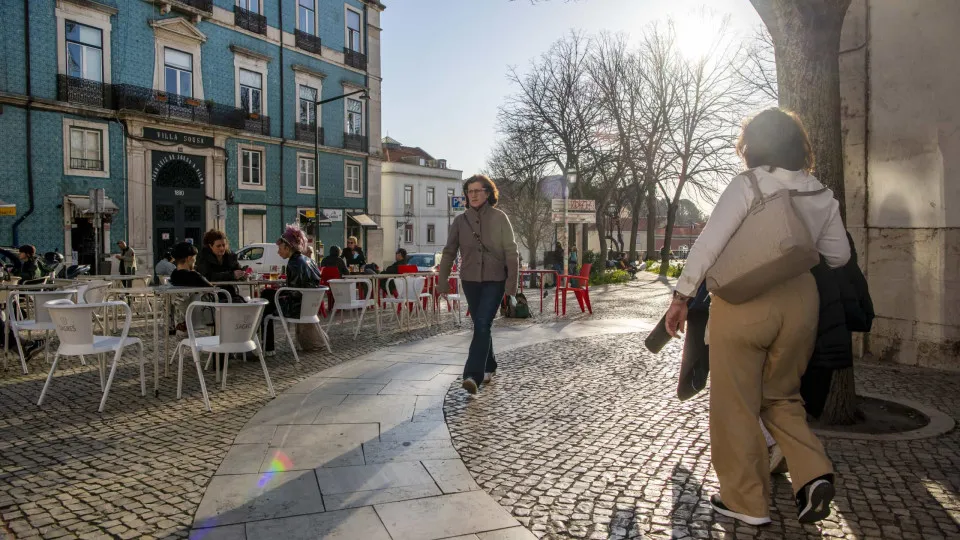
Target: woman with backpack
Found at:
x=490, y=265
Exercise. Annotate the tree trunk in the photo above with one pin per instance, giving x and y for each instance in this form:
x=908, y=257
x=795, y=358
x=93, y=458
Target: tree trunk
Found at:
x=806, y=39
x=651, y=222
x=667, y=239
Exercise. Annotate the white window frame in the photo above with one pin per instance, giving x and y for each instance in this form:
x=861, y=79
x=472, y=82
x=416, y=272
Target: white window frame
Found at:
x=256, y=65
x=84, y=47
x=177, y=33
x=253, y=106
x=180, y=70
x=431, y=228
x=306, y=157
x=358, y=194
x=346, y=29
x=245, y=4
x=431, y=196
x=404, y=205
x=104, y=129
x=313, y=80
x=316, y=19
x=408, y=236
x=89, y=14
x=363, y=110
x=262, y=186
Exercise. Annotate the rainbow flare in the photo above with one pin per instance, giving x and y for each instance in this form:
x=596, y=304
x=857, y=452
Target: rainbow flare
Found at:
x=280, y=463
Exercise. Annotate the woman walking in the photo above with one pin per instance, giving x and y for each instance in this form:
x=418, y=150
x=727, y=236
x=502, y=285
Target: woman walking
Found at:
x=489, y=268
x=759, y=349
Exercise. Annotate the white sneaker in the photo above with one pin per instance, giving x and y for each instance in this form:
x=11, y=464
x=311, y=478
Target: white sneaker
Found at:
x=487, y=377
x=270, y=354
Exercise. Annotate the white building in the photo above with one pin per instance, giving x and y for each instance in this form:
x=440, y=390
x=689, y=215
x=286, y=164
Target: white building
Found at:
x=415, y=198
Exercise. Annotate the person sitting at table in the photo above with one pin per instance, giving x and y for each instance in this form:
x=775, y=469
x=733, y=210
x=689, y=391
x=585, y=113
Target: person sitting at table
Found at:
x=25, y=264
x=400, y=260
x=302, y=273
x=217, y=263
x=353, y=253
x=164, y=268
x=334, y=260
x=185, y=257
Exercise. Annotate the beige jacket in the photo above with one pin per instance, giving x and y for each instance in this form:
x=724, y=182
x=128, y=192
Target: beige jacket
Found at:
x=496, y=260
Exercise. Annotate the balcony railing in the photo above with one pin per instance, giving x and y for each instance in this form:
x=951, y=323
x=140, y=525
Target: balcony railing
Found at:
x=83, y=91
x=150, y=101
x=202, y=5
x=248, y=20
x=307, y=42
x=354, y=59
x=86, y=164
x=355, y=142
x=308, y=132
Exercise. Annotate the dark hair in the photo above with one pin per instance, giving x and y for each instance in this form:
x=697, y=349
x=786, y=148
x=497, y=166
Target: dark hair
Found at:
x=402, y=252
x=212, y=236
x=168, y=255
x=28, y=250
x=335, y=251
x=183, y=251
x=775, y=138
x=493, y=194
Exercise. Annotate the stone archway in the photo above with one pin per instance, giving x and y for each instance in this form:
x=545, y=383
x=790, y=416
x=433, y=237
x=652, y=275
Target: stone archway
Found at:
x=179, y=201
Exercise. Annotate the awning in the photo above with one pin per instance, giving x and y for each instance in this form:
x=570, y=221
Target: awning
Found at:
x=7, y=209
x=363, y=220
x=81, y=205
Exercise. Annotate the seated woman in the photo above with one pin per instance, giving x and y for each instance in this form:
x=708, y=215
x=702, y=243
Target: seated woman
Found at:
x=353, y=254
x=302, y=273
x=185, y=257
x=217, y=263
x=334, y=260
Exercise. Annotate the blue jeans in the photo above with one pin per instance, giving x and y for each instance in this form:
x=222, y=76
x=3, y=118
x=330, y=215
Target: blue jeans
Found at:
x=484, y=298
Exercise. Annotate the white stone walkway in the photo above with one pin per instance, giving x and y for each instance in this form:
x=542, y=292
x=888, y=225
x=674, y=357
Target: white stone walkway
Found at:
x=361, y=451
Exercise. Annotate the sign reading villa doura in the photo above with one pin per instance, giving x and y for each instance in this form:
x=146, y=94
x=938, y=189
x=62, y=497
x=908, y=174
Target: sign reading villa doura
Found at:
x=197, y=141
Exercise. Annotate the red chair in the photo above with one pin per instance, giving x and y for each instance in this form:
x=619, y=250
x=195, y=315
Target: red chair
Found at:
x=326, y=274
x=407, y=269
x=579, y=285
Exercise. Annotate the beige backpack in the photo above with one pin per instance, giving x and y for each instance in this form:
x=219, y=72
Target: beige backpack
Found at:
x=771, y=246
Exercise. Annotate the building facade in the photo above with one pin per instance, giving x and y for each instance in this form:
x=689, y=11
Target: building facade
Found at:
x=191, y=115
x=416, y=199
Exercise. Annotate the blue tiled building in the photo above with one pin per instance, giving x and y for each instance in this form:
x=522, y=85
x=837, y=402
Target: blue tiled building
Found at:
x=191, y=115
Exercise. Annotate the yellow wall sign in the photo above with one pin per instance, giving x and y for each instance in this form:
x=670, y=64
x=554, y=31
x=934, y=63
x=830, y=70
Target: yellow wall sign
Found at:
x=8, y=210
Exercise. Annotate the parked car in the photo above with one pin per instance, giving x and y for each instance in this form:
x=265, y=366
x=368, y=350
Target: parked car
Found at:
x=260, y=257
x=426, y=262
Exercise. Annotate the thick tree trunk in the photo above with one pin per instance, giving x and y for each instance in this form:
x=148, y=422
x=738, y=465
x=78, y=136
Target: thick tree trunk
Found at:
x=651, y=222
x=806, y=39
x=667, y=239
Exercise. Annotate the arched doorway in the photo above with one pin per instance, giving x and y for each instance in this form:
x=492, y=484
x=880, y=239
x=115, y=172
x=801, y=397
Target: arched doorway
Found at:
x=179, y=200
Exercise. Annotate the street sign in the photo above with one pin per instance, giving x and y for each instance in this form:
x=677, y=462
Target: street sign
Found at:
x=575, y=205
x=575, y=217
x=458, y=203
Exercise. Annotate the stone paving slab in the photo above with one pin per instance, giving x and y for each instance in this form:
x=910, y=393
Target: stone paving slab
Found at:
x=444, y=516
x=358, y=524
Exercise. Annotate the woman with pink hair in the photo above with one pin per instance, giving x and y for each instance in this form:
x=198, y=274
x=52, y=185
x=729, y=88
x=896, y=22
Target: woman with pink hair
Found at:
x=302, y=273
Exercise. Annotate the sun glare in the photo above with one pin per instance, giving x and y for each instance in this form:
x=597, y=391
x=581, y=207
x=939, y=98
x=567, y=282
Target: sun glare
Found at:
x=697, y=34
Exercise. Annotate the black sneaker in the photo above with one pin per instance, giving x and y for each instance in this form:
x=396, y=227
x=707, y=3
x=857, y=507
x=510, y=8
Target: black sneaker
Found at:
x=33, y=348
x=722, y=509
x=813, y=500
x=469, y=385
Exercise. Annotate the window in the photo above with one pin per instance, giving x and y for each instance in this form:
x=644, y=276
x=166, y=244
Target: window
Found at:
x=352, y=178
x=305, y=15
x=250, y=5
x=407, y=198
x=354, y=117
x=408, y=234
x=353, y=30
x=431, y=196
x=251, y=84
x=431, y=234
x=86, y=149
x=305, y=173
x=250, y=254
x=250, y=167
x=84, y=51
x=178, y=70
x=307, y=110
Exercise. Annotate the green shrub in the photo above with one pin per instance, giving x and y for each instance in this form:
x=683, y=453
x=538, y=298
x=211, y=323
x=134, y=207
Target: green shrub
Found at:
x=609, y=277
x=674, y=271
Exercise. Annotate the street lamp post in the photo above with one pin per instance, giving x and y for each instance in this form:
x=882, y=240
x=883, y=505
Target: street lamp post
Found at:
x=316, y=155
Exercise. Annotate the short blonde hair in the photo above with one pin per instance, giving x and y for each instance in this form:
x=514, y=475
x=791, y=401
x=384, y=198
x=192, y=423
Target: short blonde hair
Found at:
x=353, y=239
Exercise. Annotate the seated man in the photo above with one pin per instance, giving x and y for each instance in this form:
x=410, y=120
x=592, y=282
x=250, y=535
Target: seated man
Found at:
x=400, y=259
x=185, y=257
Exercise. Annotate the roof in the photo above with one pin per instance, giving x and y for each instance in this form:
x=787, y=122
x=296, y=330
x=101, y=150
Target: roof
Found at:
x=397, y=153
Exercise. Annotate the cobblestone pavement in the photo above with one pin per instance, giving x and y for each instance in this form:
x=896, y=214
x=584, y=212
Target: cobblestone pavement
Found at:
x=584, y=438
x=139, y=470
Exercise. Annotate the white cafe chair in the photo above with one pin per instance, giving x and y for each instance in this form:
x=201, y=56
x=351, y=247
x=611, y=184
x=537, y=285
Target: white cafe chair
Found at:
x=95, y=292
x=346, y=294
x=409, y=295
x=455, y=299
x=41, y=322
x=74, y=327
x=309, y=314
x=237, y=334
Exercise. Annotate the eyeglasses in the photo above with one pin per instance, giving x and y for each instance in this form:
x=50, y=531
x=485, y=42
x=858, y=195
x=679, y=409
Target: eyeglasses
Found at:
x=476, y=192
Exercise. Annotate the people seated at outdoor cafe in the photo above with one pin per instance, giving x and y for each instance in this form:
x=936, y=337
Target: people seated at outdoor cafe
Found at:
x=334, y=260
x=302, y=273
x=353, y=253
x=217, y=263
x=166, y=266
x=400, y=259
x=185, y=257
x=24, y=262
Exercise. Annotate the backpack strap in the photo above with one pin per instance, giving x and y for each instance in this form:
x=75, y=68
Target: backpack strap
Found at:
x=758, y=195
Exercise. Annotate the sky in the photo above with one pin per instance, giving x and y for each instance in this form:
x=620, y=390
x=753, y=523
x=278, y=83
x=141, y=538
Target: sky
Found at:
x=445, y=62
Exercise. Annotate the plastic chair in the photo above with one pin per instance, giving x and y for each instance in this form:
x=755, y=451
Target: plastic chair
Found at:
x=579, y=285
x=409, y=292
x=94, y=292
x=310, y=301
x=74, y=327
x=455, y=298
x=41, y=320
x=346, y=294
x=237, y=325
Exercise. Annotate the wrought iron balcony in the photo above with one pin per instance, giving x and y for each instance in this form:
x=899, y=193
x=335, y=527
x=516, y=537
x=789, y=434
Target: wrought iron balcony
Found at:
x=150, y=101
x=355, y=142
x=307, y=42
x=83, y=91
x=248, y=20
x=202, y=5
x=308, y=132
x=86, y=164
x=354, y=59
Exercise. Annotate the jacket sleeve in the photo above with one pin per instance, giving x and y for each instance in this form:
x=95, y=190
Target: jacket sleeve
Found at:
x=833, y=243
x=509, y=242
x=205, y=267
x=450, y=250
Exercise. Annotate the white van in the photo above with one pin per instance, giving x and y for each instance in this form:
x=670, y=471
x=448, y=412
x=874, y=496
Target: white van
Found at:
x=260, y=257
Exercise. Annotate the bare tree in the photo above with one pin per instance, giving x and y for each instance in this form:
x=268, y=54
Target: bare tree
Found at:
x=758, y=70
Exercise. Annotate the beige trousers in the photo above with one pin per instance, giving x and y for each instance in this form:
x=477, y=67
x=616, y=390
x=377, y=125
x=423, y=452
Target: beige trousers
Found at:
x=758, y=352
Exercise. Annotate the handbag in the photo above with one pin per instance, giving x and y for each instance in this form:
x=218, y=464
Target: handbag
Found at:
x=771, y=246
